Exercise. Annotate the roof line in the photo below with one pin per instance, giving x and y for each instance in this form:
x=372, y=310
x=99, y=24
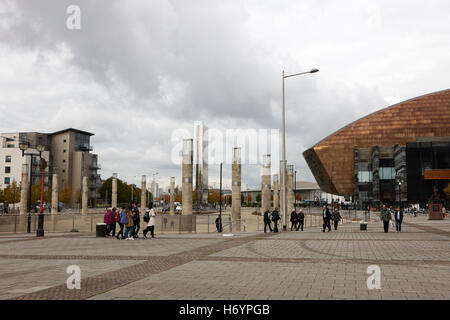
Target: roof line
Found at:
x=373, y=113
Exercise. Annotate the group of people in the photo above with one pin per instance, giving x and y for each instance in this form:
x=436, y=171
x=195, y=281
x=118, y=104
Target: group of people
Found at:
x=130, y=220
x=386, y=216
x=327, y=216
x=297, y=219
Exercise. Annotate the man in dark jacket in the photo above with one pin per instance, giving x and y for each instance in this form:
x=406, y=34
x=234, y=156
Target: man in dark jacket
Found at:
x=267, y=221
x=326, y=216
x=136, y=222
x=275, y=218
x=398, y=219
x=300, y=219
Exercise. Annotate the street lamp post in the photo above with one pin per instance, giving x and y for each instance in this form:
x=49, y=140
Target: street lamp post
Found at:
x=284, y=76
x=40, y=148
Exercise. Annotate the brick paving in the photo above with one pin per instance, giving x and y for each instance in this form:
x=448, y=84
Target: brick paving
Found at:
x=415, y=264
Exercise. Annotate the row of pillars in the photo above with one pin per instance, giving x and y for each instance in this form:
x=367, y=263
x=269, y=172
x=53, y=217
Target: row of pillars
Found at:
x=187, y=187
x=278, y=191
x=23, y=208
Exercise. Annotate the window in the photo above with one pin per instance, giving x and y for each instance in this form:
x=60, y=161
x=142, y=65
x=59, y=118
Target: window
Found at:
x=64, y=170
x=7, y=169
x=64, y=161
x=365, y=176
x=7, y=158
x=386, y=173
x=64, y=150
x=65, y=140
x=7, y=180
x=10, y=145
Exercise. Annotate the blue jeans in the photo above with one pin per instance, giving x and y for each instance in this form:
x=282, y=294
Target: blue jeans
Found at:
x=129, y=232
x=398, y=225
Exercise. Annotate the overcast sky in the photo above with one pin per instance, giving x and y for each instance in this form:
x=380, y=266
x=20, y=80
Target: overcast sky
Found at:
x=138, y=70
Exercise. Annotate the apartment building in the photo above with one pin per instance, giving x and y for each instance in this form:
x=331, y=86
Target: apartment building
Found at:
x=67, y=152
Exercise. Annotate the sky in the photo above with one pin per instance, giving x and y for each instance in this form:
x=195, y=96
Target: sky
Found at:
x=138, y=71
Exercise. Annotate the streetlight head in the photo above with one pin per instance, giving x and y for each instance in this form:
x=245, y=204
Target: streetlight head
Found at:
x=23, y=146
x=40, y=148
x=314, y=70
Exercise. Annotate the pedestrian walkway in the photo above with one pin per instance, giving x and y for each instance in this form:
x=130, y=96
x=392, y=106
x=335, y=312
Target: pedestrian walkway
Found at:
x=414, y=264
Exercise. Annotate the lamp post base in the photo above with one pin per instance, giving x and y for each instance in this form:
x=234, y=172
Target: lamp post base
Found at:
x=40, y=230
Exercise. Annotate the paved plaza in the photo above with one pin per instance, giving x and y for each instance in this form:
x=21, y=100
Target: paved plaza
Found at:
x=414, y=264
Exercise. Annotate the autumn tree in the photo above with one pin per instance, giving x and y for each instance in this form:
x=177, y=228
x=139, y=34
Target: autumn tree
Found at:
x=11, y=194
x=66, y=193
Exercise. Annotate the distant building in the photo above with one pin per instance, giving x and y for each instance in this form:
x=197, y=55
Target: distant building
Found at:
x=67, y=152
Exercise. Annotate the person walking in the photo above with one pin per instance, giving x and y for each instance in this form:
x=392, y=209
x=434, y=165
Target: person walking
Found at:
x=301, y=219
x=385, y=216
x=151, y=223
x=129, y=229
x=146, y=219
x=267, y=222
x=326, y=215
x=444, y=212
x=336, y=217
x=275, y=218
x=112, y=221
x=122, y=222
x=398, y=219
x=218, y=226
x=293, y=219
x=106, y=220
x=136, y=222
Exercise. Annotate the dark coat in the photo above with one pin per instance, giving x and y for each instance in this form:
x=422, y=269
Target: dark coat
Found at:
x=300, y=216
x=275, y=216
x=327, y=215
x=336, y=216
x=401, y=216
x=293, y=216
x=267, y=217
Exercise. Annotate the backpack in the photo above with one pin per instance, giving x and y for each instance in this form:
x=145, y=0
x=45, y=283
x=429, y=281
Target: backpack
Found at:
x=136, y=217
x=123, y=218
x=146, y=217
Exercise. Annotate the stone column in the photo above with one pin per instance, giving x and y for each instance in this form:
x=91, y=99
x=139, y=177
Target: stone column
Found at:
x=114, y=191
x=265, y=188
x=282, y=211
x=236, y=190
x=24, y=190
x=55, y=190
x=172, y=195
x=290, y=188
x=187, y=177
x=276, y=195
x=143, y=194
x=84, y=198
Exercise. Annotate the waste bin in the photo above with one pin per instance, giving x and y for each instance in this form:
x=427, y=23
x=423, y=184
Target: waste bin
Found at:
x=100, y=229
x=363, y=226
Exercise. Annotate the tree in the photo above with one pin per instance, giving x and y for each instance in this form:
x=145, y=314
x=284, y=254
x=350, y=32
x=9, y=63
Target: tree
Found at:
x=66, y=193
x=11, y=194
x=177, y=195
x=258, y=197
x=2, y=196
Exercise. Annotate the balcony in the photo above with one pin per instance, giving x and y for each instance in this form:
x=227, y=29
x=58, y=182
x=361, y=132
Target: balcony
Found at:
x=95, y=166
x=84, y=147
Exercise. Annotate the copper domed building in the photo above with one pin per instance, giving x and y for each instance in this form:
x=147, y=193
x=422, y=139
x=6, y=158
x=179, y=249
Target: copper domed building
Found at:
x=398, y=154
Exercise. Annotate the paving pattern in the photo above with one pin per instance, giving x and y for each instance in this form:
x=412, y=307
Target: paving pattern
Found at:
x=414, y=264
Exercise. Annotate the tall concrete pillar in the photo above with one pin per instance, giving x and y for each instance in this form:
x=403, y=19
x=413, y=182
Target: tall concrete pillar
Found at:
x=236, y=189
x=172, y=195
x=187, y=177
x=114, y=191
x=276, y=194
x=282, y=210
x=290, y=188
x=24, y=190
x=84, y=198
x=55, y=194
x=143, y=194
x=265, y=188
